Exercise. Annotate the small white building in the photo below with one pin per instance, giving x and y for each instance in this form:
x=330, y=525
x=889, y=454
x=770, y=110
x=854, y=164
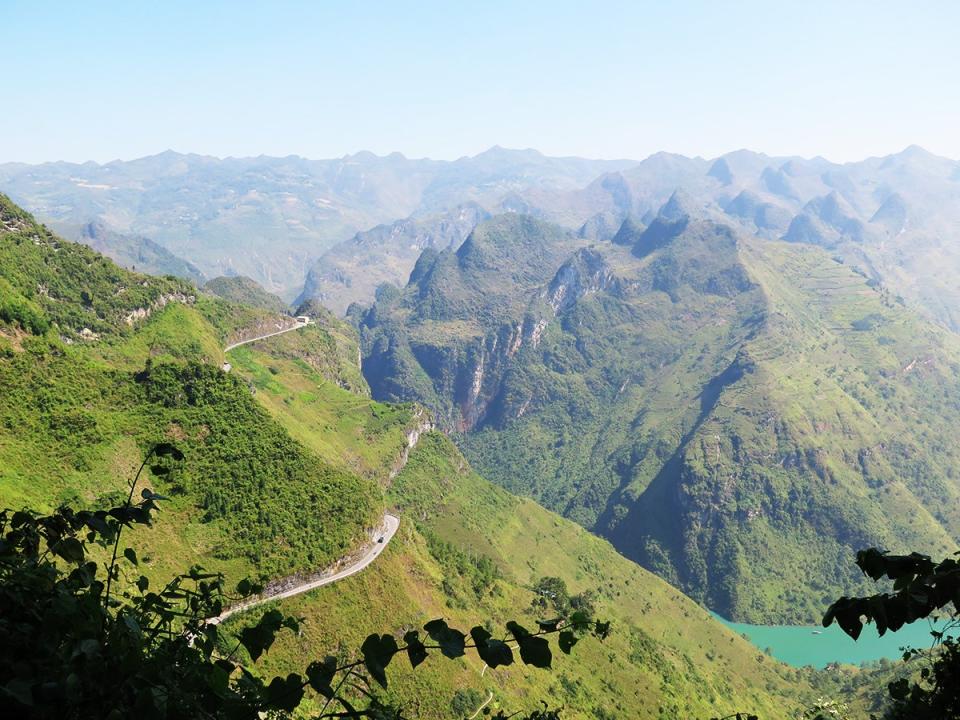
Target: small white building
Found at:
x=305, y=319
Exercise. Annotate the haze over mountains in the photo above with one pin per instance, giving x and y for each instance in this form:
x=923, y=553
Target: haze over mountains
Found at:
x=362, y=219
x=268, y=218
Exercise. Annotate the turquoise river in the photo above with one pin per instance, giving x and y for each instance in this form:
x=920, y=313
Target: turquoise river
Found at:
x=801, y=645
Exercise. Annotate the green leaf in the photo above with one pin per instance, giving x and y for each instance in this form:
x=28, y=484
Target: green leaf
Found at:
x=601, y=629
x=535, y=651
x=131, y=555
x=218, y=679
x=378, y=651
x=567, y=640
x=899, y=689
x=167, y=450
x=247, y=587
x=416, y=651
x=285, y=693
x=260, y=637
x=451, y=641
x=580, y=622
x=320, y=675
x=517, y=630
x=492, y=651
x=70, y=549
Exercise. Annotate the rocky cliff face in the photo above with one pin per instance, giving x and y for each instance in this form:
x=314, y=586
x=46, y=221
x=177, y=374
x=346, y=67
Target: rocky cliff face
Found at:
x=654, y=392
x=142, y=313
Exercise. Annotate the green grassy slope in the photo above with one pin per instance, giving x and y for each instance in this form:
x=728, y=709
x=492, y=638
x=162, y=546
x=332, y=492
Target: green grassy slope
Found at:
x=668, y=658
x=76, y=415
x=46, y=281
x=288, y=461
x=244, y=291
x=738, y=415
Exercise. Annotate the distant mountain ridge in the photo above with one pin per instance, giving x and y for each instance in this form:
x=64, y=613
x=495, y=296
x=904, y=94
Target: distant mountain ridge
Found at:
x=133, y=252
x=351, y=271
x=278, y=220
x=266, y=217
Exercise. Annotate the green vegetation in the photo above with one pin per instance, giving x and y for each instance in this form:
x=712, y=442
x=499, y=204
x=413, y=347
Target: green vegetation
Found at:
x=73, y=648
x=48, y=281
x=246, y=476
x=439, y=501
x=288, y=468
x=922, y=588
x=737, y=415
x=244, y=291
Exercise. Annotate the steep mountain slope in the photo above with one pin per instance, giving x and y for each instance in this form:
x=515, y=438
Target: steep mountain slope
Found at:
x=132, y=252
x=351, y=271
x=286, y=468
x=895, y=217
x=244, y=291
x=667, y=659
x=47, y=281
x=269, y=218
x=737, y=414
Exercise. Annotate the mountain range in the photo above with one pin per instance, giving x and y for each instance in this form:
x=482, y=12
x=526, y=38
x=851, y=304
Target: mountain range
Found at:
x=736, y=413
x=289, y=462
x=818, y=293
x=352, y=223
x=268, y=217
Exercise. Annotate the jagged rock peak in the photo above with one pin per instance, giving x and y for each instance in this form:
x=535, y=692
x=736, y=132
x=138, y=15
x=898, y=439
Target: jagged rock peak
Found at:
x=597, y=227
x=585, y=273
x=744, y=205
x=777, y=182
x=720, y=170
x=671, y=221
x=893, y=213
x=679, y=207
x=629, y=232
x=831, y=208
x=426, y=260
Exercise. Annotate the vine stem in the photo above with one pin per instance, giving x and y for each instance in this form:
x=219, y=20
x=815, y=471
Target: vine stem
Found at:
x=116, y=543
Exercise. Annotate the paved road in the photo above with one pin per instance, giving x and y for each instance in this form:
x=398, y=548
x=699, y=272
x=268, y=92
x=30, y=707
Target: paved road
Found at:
x=389, y=529
x=299, y=325
x=485, y=703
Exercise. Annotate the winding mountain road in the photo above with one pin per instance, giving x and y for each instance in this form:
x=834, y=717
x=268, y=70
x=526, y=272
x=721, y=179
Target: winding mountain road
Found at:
x=485, y=703
x=299, y=325
x=386, y=533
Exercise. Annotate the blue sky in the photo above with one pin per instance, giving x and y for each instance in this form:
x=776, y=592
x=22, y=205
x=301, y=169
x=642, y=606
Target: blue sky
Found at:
x=842, y=79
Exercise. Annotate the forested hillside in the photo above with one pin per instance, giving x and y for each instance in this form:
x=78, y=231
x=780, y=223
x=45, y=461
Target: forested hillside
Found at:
x=737, y=414
x=244, y=291
x=287, y=467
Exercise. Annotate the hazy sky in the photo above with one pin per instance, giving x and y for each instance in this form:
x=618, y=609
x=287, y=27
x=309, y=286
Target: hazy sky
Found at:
x=842, y=79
